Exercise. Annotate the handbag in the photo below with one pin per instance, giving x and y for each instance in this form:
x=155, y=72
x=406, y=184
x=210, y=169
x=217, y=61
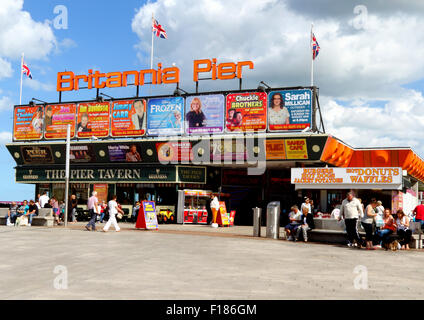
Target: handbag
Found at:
x=378, y=221
x=119, y=215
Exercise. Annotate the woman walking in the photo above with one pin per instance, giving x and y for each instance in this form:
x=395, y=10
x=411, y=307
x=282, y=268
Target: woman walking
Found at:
x=113, y=210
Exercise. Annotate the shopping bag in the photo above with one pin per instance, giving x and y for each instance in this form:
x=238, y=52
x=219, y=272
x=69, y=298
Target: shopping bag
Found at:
x=23, y=221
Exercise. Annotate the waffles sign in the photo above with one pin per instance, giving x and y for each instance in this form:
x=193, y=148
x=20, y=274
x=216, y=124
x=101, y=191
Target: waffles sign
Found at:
x=347, y=178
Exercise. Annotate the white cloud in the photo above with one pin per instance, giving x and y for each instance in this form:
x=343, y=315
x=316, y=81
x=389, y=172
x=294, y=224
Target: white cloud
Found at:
x=6, y=104
x=19, y=33
x=5, y=137
x=37, y=85
x=358, y=67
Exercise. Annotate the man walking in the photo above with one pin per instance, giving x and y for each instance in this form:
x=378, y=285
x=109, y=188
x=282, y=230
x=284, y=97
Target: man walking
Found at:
x=351, y=210
x=93, y=209
x=113, y=210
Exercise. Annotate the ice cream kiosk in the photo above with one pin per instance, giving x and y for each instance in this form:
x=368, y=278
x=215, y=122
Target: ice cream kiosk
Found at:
x=192, y=206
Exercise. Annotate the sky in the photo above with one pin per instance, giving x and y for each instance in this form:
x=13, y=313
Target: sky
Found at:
x=370, y=70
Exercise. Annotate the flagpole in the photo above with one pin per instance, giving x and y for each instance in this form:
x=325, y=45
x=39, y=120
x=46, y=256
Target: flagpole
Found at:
x=312, y=56
x=151, y=53
x=22, y=66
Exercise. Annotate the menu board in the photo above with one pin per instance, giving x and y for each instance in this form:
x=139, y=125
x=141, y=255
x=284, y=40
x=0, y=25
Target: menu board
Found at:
x=28, y=123
x=164, y=116
x=290, y=110
x=205, y=114
x=147, y=218
x=128, y=118
x=246, y=112
x=93, y=120
x=56, y=120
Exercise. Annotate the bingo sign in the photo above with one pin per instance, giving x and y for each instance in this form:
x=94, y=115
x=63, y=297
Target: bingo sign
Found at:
x=28, y=123
x=147, y=219
x=246, y=112
x=205, y=114
x=128, y=118
x=290, y=110
x=164, y=116
x=93, y=120
x=56, y=121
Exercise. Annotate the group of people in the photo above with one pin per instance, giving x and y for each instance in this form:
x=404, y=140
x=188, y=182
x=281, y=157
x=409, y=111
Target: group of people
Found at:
x=29, y=209
x=301, y=221
x=378, y=223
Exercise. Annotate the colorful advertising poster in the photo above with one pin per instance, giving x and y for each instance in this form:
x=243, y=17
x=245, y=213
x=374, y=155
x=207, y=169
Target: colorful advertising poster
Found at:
x=93, y=120
x=296, y=149
x=290, y=110
x=174, y=151
x=101, y=189
x=28, y=123
x=82, y=153
x=228, y=150
x=56, y=120
x=205, y=114
x=246, y=112
x=128, y=118
x=275, y=150
x=147, y=219
x=164, y=116
x=124, y=153
x=222, y=218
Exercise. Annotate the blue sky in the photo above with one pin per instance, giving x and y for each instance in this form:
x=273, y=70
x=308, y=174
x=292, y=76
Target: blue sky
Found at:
x=370, y=68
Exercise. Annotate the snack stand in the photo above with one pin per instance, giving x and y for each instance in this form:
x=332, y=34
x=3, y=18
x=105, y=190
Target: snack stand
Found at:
x=192, y=206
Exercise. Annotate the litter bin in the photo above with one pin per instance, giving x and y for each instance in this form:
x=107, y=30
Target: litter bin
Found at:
x=273, y=220
x=257, y=221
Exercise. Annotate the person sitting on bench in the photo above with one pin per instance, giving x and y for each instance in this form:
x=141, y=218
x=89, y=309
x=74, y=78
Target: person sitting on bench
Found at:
x=387, y=229
x=403, y=230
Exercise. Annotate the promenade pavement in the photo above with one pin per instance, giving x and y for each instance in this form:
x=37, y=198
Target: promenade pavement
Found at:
x=196, y=262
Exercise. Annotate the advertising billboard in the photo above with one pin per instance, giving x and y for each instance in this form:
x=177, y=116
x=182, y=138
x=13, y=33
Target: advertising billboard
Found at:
x=205, y=114
x=174, y=151
x=128, y=118
x=28, y=123
x=164, y=116
x=246, y=112
x=290, y=110
x=124, y=153
x=56, y=120
x=93, y=120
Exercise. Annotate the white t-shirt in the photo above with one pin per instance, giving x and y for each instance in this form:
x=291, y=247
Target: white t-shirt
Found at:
x=112, y=207
x=43, y=200
x=295, y=215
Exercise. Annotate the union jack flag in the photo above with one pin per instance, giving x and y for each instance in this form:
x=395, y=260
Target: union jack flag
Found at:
x=315, y=46
x=158, y=30
x=26, y=71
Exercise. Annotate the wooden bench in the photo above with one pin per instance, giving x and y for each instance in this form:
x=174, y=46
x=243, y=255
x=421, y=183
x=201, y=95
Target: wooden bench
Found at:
x=45, y=217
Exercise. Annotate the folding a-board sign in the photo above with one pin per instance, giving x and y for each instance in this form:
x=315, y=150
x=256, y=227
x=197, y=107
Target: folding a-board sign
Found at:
x=147, y=218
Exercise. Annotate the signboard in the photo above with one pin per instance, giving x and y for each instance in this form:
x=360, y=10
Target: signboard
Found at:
x=124, y=153
x=102, y=191
x=128, y=118
x=147, y=219
x=37, y=154
x=296, y=149
x=174, y=151
x=246, y=112
x=347, y=178
x=56, y=120
x=290, y=110
x=222, y=218
x=191, y=174
x=82, y=153
x=28, y=123
x=228, y=150
x=164, y=116
x=275, y=149
x=205, y=114
x=93, y=120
